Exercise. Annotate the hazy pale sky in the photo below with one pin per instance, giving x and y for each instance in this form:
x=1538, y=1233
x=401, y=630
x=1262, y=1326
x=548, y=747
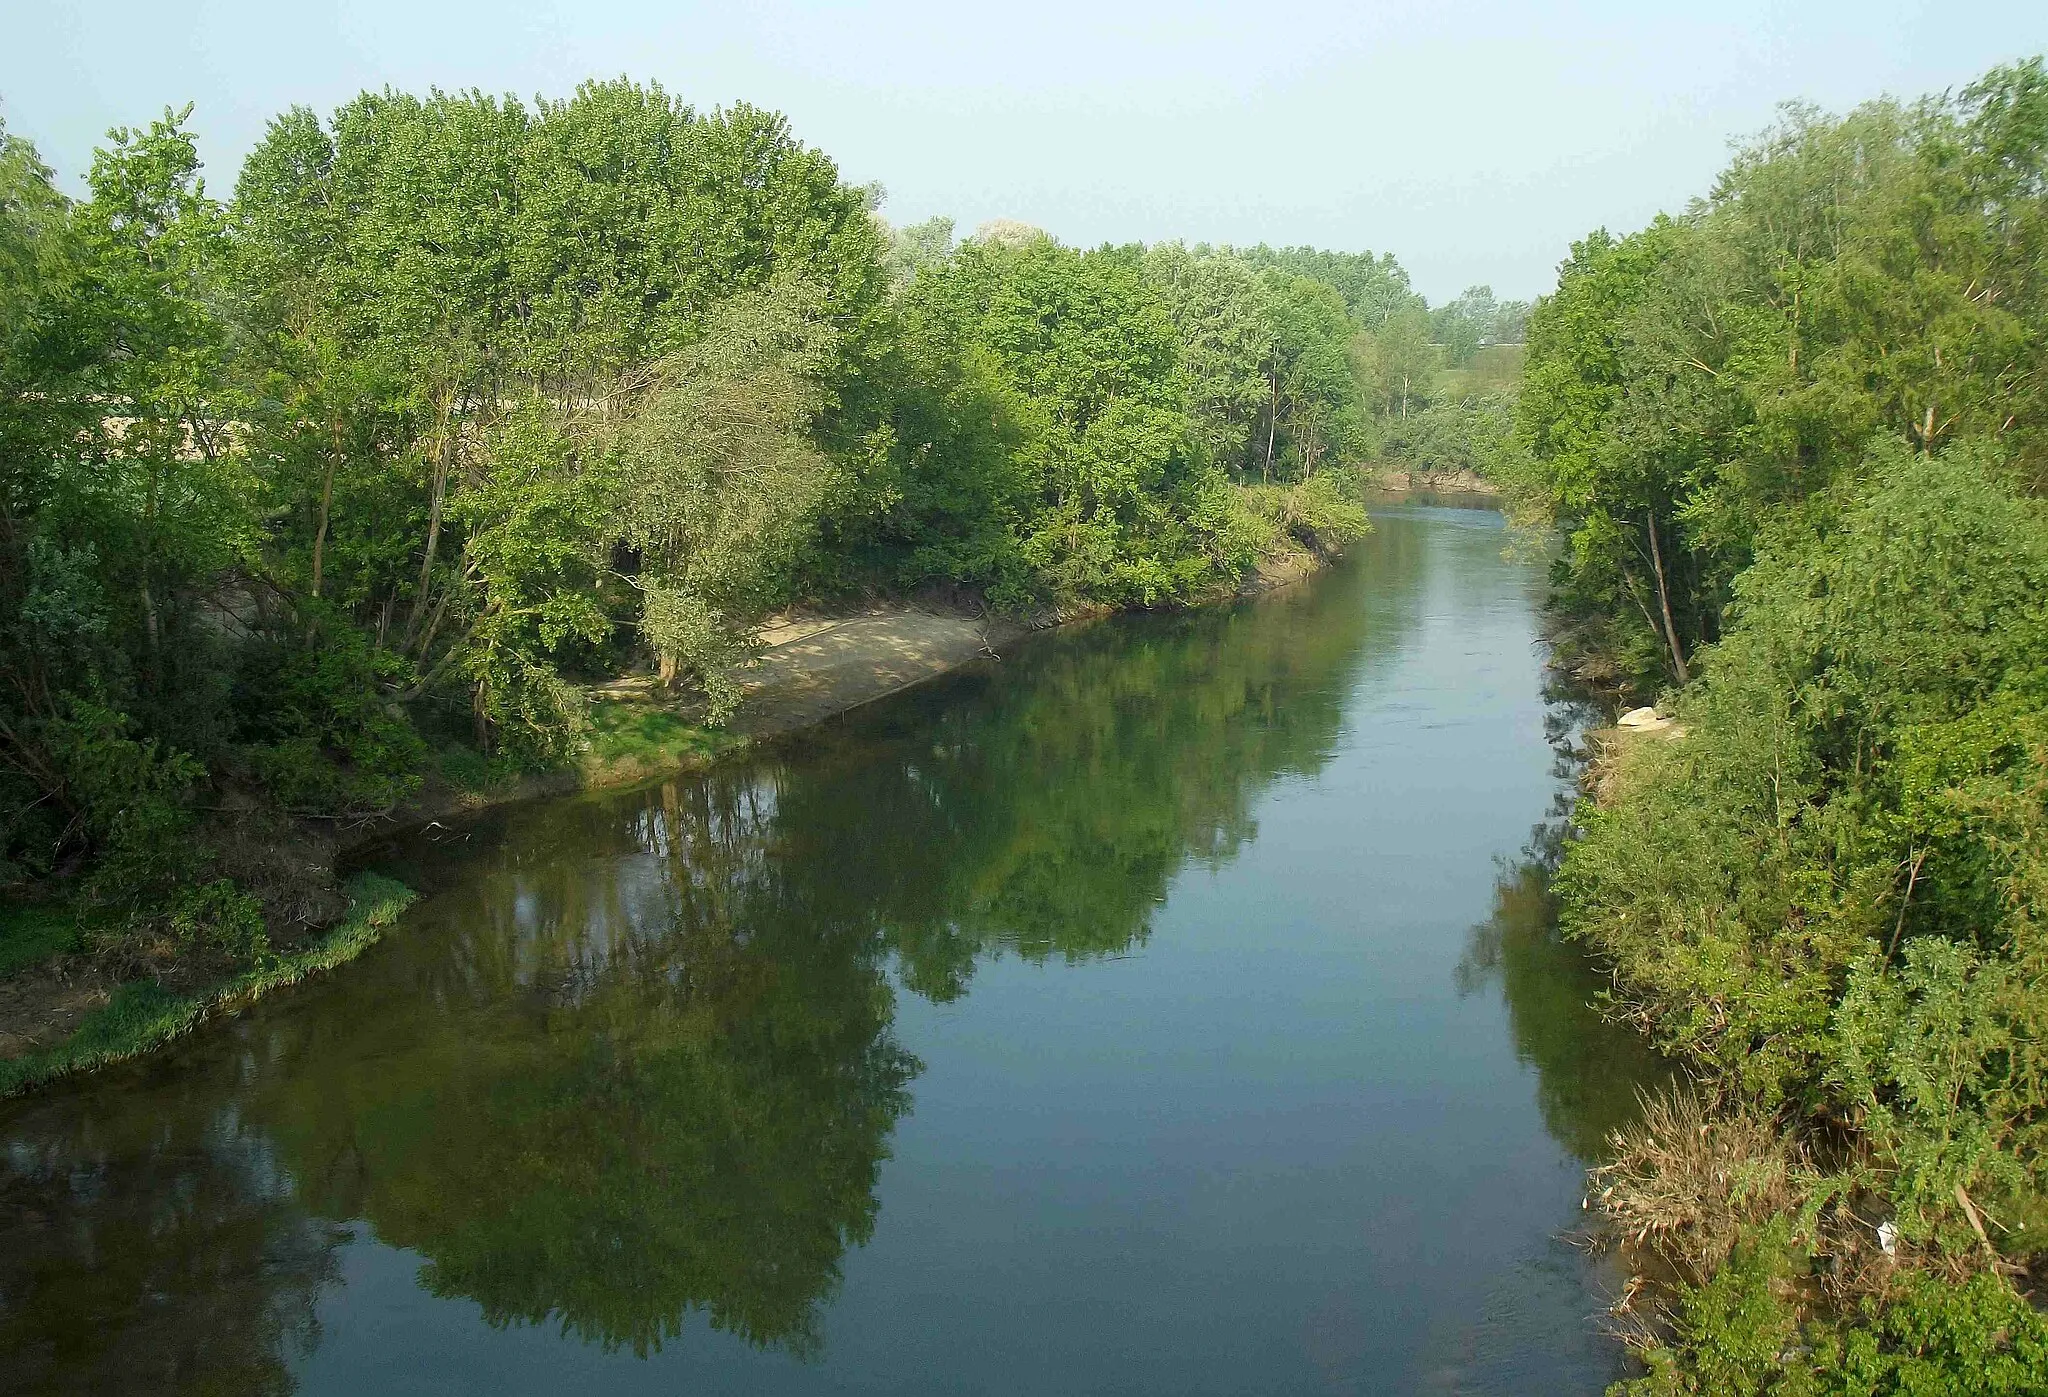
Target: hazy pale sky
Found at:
x=1473, y=140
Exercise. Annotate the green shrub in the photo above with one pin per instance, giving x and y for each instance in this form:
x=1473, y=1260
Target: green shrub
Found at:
x=467, y=769
x=1827, y=895
x=143, y=1014
x=1855, y=775
x=219, y=917
x=32, y=933
x=1734, y=1335
x=132, y=798
x=1935, y=1338
x=317, y=727
x=1320, y=513
x=1740, y=1335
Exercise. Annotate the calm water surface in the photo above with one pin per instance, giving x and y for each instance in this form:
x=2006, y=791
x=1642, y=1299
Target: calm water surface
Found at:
x=1167, y=1008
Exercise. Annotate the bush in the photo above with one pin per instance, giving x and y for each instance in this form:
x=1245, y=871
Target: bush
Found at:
x=219, y=917
x=131, y=801
x=1827, y=896
x=694, y=642
x=1321, y=513
x=1856, y=773
x=317, y=728
x=1740, y=1335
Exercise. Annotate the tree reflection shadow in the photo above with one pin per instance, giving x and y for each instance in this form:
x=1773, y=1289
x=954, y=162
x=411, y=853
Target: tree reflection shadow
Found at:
x=635, y=1061
x=156, y=1253
x=1589, y=1072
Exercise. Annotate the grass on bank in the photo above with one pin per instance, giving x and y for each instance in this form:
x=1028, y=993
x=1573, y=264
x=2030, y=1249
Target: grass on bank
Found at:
x=143, y=1015
x=32, y=933
x=626, y=742
x=632, y=739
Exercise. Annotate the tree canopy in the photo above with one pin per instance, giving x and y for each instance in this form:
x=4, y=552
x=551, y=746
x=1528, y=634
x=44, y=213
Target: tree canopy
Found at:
x=463, y=403
x=1793, y=441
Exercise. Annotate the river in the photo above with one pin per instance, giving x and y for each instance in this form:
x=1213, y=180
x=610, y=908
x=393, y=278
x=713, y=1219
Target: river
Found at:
x=1168, y=1007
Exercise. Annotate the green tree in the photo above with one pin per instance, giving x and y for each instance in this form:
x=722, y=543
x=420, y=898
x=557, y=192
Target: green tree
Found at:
x=1313, y=409
x=1375, y=288
x=918, y=246
x=1872, y=275
x=451, y=271
x=1092, y=360
x=719, y=479
x=1227, y=335
x=1396, y=364
x=1461, y=326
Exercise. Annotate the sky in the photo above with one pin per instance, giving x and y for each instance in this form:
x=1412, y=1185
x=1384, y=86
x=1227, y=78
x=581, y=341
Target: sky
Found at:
x=1473, y=140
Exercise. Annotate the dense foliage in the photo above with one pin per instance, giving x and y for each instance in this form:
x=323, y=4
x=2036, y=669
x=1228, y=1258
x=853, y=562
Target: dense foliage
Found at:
x=1794, y=441
x=459, y=404
x=1884, y=274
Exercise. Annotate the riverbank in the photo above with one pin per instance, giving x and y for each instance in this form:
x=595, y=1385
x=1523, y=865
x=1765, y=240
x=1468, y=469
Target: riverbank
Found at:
x=74, y=1011
x=1082, y=922
x=811, y=665
x=140, y=1015
x=64, y=1009
x=1459, y=482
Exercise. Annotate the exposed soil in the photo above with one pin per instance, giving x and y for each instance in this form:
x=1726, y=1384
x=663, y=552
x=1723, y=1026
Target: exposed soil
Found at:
x=815, y=668
x=40, y=1006
x=1435, y=482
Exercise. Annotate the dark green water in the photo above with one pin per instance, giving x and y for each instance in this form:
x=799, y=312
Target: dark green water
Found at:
x=1163, y=1009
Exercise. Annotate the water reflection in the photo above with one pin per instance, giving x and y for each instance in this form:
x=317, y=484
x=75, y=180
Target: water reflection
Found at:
x=154, y=1253
x=632, y=1060
x=633, y=1069
x=1589, y=1072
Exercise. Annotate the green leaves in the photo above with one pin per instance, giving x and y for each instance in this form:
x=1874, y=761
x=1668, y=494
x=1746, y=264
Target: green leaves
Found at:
x=1920, y=1049
x=502, y=339
x=718, y=481
x=1872, y=276
x=466, y=400
x=1827, y=894
x=1086, y=385
x=1083, y=409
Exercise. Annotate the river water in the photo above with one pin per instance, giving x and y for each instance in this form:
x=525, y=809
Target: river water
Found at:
x=1168, y=1007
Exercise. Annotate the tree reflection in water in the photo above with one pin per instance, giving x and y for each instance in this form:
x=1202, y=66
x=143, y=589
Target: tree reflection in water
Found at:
x=1589, y=1072
x=156, y=1253
x=632, y=1058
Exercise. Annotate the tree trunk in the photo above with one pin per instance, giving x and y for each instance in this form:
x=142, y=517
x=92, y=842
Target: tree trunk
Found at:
x=419, y=604
x=482, y=721
x=1664, y=599
x=326, y=504
x=155, y=637
x=1272, y=428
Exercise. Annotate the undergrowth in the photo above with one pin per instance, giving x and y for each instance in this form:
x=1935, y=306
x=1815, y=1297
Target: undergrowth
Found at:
x=651, y=737
x=143, y=1014
x=35, y=932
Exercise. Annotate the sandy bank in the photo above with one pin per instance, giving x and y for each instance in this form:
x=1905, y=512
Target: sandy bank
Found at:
x=1400, y=481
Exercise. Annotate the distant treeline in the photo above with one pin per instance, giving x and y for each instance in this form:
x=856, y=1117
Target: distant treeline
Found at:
x=457, y=403
x=1795, y=441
